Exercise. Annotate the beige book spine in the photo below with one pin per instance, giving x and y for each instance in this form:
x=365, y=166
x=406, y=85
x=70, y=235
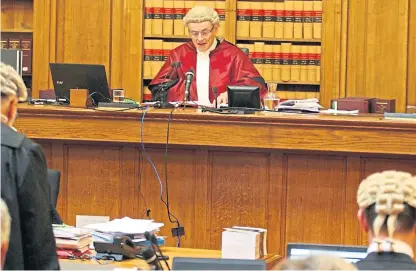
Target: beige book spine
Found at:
x=220, y=7
x=176, y=44
x=210, y=4
x=147, y=95
x=300, y=95
x=168, y=17
x=188, y=6
x=179, y=13
x=148, y=58
x=256, y=23
x=295, y=63
x=310, y=95
x=317, y=19
x=269, y=18
x=318, y=63
x=258, y=57
x=243, y=19
x=157, y=23
x=298, y=19
x=167, y=48
x=308, y=19
x=148, y=17
x=304, y=58
x=280, y=17
x=157, y=47
x=268, y=63
x=285, y=67
x=277, y=62
x=288, y=20
x=312, y=63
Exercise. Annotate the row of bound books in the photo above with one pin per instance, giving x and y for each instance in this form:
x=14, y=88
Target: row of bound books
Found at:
x=286, y=62
x=282, y=19
x=20, y=43
x=165, y=17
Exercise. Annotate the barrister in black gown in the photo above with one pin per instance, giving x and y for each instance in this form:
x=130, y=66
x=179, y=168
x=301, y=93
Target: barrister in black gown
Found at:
x=24, y=186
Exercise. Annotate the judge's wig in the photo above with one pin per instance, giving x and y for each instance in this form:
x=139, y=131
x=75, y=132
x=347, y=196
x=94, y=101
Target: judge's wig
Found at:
x=11, y=84
x=200, y=14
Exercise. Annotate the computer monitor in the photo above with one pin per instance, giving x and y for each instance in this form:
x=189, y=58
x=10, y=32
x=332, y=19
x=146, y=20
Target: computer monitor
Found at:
x=244, y=96
x=351, y=254
x=185, y=263
x=14, y=58
x=67, y=76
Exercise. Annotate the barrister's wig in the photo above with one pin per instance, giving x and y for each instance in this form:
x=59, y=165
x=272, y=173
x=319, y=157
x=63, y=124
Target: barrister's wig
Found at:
x=389, y=199
x=11, y=83
x=5, y=223
x=200, y=14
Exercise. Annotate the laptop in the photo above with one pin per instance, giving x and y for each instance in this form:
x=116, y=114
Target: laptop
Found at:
x=185, y=263
x=351, y=254
x=67, y=76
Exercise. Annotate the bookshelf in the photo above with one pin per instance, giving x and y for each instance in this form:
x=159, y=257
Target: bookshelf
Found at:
x=17, y=32
x=273, y=29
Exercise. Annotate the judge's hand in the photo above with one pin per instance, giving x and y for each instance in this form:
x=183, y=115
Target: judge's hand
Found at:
x=222, y=98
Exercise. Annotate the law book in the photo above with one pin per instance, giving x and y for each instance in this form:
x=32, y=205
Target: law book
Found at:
x=318, y=63
x=210, y=4
x=308, y=19
x=147, y=95
x=167, y=48
x=188, y=6
x=317, y=19
x=148, y=59
x=220, y=8
x=304, y=58
x=258, y=57
x=256, y=23
x=280, y=16
x=277, y=62
x=4, y=42
x=168, y=17
x=26, y=46
x=179, y=13
x=286, y=63
x=157, y=22
x=295, y=63
x=157, y=48
x=250, y=48
x=14, y=43
x=243, y=19
x=268, y=63
x=73, y=243
x=269, y=18
x=298, y=19
x=148, y=17
x=288, y=20
x=312, y=63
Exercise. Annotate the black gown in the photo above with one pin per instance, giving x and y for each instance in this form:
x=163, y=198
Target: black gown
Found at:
x=386, y=261
x=25, y=190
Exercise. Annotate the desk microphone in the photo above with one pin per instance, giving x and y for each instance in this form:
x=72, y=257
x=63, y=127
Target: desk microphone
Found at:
x=150, y=257
x=189, y=77
x=215, y=90
x=153, y=242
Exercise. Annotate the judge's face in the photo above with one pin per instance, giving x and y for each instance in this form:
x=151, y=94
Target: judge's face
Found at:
x=202, y=34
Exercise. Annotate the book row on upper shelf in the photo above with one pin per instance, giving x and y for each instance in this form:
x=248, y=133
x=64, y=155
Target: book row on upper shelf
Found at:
x=20, y=41
x=285, y=62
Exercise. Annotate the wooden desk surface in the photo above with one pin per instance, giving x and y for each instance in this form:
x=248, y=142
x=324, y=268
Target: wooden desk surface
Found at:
x=271, y=259
x=263, y=130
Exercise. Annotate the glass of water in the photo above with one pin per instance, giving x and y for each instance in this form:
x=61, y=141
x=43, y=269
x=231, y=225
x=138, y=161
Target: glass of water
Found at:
x=271, y=100
x=118, y=95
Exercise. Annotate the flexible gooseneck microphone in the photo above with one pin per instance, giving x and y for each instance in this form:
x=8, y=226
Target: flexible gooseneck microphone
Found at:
x=151, y=258
x=215, y=90
x=189, y=77
x=153, y=242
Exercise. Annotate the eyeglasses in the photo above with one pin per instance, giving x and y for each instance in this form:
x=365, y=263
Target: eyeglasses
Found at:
x=203, y=33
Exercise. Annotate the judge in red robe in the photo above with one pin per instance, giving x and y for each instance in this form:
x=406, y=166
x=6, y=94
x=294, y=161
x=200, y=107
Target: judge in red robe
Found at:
x=215, y=63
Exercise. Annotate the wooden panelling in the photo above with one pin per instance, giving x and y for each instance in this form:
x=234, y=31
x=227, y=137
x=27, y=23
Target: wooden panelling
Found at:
x=377, y=49
x=372, y=165
x=47, y=150
x=17, y=15
x=239, y=192
x=93, y=184
x=411, y=72
x=310, y=216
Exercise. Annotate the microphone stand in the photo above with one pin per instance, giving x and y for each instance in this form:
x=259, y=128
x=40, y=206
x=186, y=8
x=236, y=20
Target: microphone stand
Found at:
x=163, y=98
x=215, y=90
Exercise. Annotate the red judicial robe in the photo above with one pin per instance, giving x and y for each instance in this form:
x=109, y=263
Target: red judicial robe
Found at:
x=228, y=66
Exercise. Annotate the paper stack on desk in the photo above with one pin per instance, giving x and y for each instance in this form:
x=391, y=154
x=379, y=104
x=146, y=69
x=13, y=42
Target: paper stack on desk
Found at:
x=72, y=241
x=244, y=243
x=306, y=105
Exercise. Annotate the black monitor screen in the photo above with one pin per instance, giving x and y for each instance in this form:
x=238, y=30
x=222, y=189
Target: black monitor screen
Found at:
x=351, y=254
x=184, y=263
x=244, y=96
x=83, y=76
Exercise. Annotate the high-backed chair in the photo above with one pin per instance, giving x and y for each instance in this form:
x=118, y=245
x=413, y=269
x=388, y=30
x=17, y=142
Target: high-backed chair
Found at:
x=54, y=180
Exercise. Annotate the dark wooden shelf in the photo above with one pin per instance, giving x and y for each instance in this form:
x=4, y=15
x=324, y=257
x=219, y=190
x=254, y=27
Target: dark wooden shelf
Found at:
x=17, y=30
x=277, y=39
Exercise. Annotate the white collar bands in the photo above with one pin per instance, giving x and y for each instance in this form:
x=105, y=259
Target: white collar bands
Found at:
x=210, y=49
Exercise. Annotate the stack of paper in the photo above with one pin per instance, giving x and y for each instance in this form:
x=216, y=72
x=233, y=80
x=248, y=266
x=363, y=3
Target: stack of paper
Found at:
x=72, y=241
x=244, y=243
x=306, y=105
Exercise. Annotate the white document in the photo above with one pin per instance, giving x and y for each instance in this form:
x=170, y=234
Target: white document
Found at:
x=82, y=220
x=340, y=112
x=126, y=225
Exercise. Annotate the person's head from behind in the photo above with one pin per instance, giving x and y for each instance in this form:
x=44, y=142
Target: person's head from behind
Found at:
x=387, y=202
x=202, y=23
x=13, y=90
x=316, y=262
x=5, y=230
